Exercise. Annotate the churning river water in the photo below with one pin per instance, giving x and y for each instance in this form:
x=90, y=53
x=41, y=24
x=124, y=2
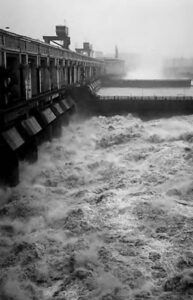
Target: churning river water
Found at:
x=105, y=214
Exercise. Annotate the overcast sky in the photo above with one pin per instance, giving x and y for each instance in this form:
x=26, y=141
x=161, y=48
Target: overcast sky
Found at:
x=161, y=27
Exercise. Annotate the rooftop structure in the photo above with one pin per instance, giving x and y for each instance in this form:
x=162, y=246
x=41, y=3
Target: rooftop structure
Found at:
x=86, y=50
x=61, y=36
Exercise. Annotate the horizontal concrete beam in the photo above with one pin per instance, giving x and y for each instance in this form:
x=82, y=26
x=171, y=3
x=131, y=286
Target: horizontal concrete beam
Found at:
x=18, y=43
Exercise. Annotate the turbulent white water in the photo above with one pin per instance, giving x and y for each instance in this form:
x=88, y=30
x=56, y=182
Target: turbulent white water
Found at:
x=106, y=213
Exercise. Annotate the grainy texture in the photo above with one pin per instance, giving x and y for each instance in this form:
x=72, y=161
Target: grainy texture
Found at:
x=106, y=213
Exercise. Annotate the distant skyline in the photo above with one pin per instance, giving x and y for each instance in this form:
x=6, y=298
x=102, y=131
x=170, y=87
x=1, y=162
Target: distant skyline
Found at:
x=151, y=27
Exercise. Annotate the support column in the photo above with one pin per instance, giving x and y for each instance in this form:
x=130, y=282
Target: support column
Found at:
x=62, y=73
x=69, y=73
x=3, y=80
x=72, y=73
x=53, y=73
x=13, y=77
x=3, y=59
x=87, y=73
x=66, y=73
x=26, y=77
x=45, y=75
x=75, y=73
x=90, y=72
x=48, y=74
x=78, y=73
x=95, y=75
x=82, y=74
x=9, y=171
x=58, y=74
x=33, y=69
x=39, y=77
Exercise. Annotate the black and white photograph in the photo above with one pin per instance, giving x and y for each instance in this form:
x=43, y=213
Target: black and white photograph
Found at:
x=96, y=150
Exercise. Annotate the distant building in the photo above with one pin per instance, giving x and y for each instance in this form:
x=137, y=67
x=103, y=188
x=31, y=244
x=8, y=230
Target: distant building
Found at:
x=114, y=67
x=86, y=50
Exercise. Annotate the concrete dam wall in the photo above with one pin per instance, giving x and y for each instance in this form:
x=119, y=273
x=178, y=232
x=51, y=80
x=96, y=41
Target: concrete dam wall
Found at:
x=89, y=102
x=146, y=83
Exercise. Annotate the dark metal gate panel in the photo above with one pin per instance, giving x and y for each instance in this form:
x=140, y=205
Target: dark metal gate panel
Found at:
x=48, y=115
x=58, y=108
x=31, y=125
x=66, y=104
x=13, y=138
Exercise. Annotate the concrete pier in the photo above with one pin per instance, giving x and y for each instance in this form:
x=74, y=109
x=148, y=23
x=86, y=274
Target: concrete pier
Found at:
x=9, y=171
x=21, y=142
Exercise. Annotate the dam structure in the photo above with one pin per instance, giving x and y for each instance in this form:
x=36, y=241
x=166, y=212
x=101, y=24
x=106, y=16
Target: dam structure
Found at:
x=35, y=83
x=41, y=84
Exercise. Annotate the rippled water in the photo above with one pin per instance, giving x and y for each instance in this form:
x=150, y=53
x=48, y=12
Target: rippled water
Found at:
x=106, y=213
x=187, y=91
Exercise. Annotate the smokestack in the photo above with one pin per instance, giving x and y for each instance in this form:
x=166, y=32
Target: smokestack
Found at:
x=116, y=52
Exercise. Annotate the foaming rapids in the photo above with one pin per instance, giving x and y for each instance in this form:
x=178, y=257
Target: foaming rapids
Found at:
x=105, y=213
